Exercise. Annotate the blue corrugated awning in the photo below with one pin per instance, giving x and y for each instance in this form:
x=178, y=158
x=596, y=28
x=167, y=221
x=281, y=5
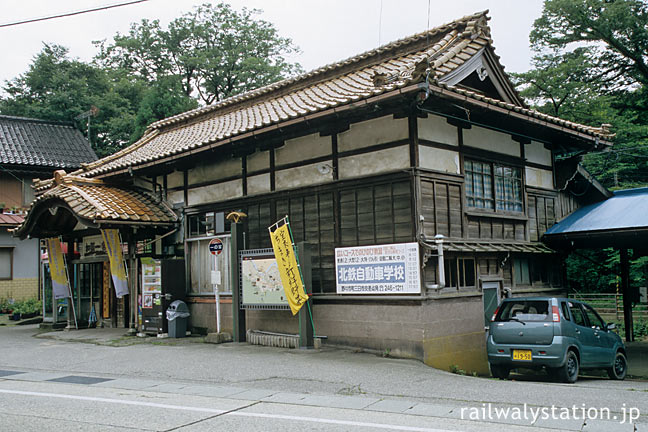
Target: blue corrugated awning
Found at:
x=622, y=218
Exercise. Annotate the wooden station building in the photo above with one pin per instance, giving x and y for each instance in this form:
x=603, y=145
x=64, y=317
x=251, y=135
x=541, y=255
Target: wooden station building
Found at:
x=417, y=139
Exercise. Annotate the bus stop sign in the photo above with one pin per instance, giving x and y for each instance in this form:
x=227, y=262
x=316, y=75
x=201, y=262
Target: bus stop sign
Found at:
x=216, y=246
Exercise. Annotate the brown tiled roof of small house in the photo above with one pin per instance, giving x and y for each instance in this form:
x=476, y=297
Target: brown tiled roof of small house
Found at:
x=43, y=144
x=406, y=64
x=99, y=203
x=9, y=220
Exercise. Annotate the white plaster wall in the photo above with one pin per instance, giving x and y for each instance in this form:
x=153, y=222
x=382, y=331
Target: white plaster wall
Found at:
x=539, y=178
x=437, y=129
x=258, y=184
x=302, y=176
x=303, y=148
x=175, y=197
x=215, y=171
x=439, y=159
x=375, y=162
x=215, y=193
x=175, y=179
x=494, y=141
x=371, y=132
x=258, y=161
x=143, y=183
x=537, y=153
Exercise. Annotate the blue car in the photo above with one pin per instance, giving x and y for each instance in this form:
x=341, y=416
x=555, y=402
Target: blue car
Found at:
x=564, y=336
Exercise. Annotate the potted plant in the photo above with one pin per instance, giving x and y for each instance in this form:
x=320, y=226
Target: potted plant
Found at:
x=30, y=308
x=16, y=312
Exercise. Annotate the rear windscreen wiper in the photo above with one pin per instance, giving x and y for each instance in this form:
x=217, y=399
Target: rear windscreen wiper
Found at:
x=516, y=319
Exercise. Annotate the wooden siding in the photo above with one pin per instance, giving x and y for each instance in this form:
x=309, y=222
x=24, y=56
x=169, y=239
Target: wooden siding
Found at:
x=441, y=208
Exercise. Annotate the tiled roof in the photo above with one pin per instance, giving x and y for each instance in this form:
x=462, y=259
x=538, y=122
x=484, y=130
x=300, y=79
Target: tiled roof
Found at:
x=40, y=143
x=424, y=57
x=10, y=219
x=99, y=203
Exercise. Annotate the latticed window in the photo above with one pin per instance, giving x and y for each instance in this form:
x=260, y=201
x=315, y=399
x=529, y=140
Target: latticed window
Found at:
x=493, y=186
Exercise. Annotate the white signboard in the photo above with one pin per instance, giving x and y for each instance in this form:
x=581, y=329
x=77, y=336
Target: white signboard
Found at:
x=380, y=269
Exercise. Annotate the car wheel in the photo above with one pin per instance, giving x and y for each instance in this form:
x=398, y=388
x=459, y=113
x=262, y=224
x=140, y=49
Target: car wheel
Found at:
x=501, y=372
x=619, y=368
x=568, y=373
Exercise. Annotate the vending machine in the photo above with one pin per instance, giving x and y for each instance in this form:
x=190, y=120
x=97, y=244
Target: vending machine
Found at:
x=163, y=281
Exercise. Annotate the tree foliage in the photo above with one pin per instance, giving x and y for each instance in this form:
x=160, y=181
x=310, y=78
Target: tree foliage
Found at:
x=209, y=54
x=214, y=52
x=590, y=66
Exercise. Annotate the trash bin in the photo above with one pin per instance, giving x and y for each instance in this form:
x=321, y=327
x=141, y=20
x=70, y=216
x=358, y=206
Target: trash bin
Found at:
x=177, y=315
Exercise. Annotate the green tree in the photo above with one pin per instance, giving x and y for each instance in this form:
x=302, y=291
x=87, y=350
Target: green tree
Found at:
x=214, y=52
x=590, y=67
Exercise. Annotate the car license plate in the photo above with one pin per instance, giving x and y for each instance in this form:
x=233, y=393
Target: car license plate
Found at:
x=524, y=355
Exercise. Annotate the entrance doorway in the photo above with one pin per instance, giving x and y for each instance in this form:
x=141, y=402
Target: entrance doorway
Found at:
x=491, y=297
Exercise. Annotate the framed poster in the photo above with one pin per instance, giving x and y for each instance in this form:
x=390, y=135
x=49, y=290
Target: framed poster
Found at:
x=261, y=286
x=379, y=269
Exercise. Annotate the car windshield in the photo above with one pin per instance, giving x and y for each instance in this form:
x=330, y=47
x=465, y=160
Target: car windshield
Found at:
x=524, y=310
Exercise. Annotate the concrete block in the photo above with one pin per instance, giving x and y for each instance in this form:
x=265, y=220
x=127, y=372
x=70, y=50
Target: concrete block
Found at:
x=217, y=338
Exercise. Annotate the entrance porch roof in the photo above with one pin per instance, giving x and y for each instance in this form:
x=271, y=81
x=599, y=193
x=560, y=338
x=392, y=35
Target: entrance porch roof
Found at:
x=93, y=204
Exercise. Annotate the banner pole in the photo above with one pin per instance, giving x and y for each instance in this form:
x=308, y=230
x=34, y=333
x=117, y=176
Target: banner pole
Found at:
x=67, y=274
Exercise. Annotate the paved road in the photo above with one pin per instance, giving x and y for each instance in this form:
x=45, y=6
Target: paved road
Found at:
x=117, y=383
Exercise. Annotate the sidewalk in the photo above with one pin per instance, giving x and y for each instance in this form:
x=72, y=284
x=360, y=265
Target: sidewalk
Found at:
x=113, y=337
x=637, y=359
x=637, y=351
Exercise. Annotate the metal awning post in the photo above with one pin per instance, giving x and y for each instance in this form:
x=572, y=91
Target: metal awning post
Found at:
x=627, y=297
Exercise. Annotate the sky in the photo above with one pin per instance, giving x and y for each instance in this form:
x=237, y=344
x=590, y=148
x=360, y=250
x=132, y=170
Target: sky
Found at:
x=326, y=31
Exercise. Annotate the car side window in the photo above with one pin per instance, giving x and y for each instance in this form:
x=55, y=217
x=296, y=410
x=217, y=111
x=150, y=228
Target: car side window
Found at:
x=594, y=319
x=577, y=313
x=565, y=311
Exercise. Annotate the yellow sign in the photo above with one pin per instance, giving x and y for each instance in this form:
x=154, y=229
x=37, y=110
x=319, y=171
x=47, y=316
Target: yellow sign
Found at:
x=58, y=271
x=117, y=268
x=288, y=270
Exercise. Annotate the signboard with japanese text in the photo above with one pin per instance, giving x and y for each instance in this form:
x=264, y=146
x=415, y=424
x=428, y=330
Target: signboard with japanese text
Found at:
x=287, y=263
x=380, y=269
x=112, y=242
x=58, y=272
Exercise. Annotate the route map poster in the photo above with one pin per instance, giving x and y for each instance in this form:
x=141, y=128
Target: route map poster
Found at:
x=380, y=269
x=261, y=281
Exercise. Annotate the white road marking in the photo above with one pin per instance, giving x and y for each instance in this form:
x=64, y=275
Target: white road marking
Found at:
x=228, y=413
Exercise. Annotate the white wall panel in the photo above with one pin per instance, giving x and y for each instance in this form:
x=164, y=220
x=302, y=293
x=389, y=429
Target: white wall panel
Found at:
x=491, y=140
x=437, y=129
x=372, y=132
x=439, y=159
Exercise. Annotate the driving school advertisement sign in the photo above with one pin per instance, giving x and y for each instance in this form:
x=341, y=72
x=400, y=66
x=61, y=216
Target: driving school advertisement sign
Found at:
x=380, y=269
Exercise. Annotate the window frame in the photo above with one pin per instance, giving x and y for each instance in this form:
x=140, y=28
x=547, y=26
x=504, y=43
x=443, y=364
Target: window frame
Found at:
x=11, y=260
x=492, y=195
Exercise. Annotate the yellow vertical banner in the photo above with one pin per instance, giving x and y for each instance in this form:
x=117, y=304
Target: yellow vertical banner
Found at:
x=288, y=269
x=58, y=272
x=117, y=267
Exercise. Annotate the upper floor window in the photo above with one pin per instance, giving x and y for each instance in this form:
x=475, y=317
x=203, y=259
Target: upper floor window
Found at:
x=493, y=186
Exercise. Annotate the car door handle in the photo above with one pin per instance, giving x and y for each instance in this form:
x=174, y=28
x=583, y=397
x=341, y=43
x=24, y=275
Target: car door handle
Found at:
x=577, y=331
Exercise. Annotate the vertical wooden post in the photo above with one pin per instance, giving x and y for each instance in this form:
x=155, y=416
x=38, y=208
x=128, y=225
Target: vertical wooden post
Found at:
x=238, y=314
x=627, y=297
x=306, y=334
x=72, y=281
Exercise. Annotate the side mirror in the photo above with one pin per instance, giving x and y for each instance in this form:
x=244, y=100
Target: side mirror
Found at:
x=610, y=326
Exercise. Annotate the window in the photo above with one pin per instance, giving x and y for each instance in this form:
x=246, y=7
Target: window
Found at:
x=493, y=186
x=207, y=224
x=565, y=311
x=6, y=263
x=524, y=310
x=577, y=313
x=460, y=272
x=594, y=318
x=522, y=271
x=537, y=270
